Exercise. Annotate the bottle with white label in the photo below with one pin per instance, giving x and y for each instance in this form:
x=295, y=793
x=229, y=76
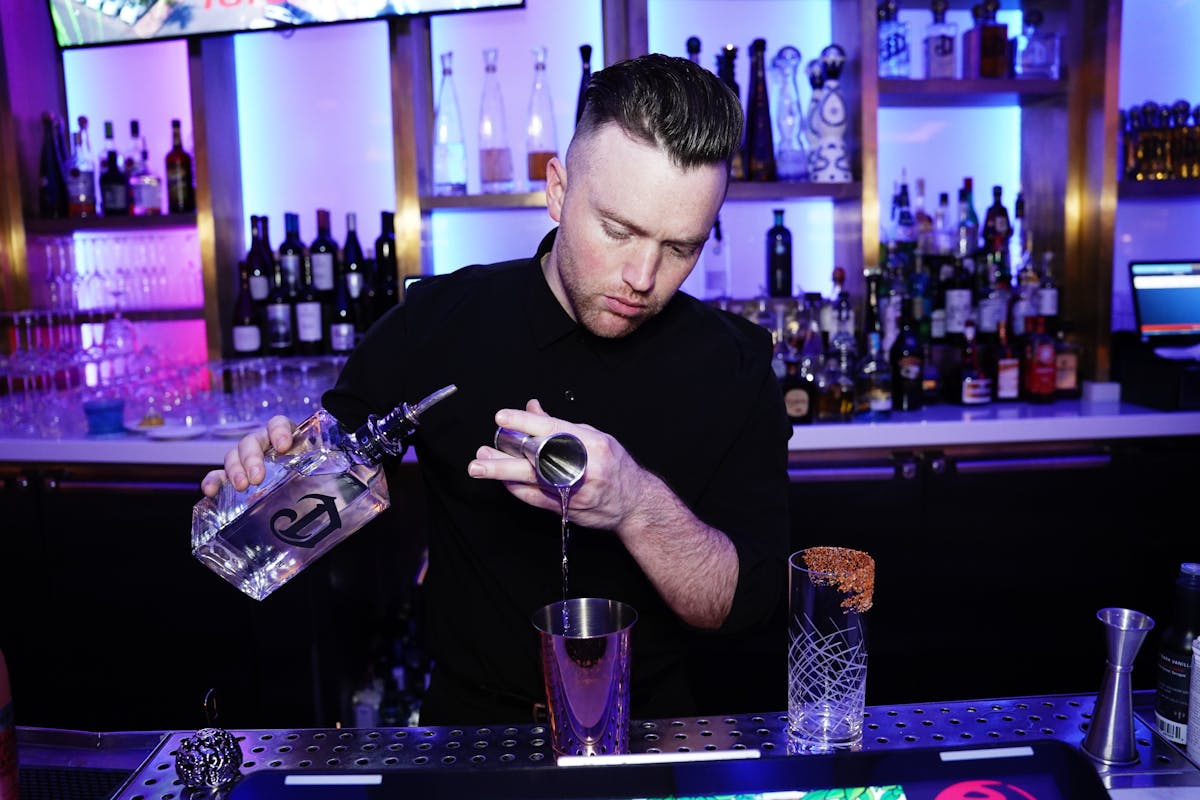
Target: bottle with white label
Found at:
x=1173, y=684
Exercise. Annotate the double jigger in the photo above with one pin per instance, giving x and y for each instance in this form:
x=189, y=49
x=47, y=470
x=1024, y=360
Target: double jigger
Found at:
x=558, y=459
x=1110, y=736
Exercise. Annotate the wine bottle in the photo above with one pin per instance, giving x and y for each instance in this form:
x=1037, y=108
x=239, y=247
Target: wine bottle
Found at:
x=449, y=147
x=585, y=76
x=323, y=254
x=181, y=190
x=340, y=335
x=81, y=178
x=310, y=312
x=760, y=143
x=907, y=361
x=259, y=261
x=246, y=328
x=279, y=311
x=387, y=292
x=541, y=141
x=779, y=258
x=327, y=486
x=495, y=154
x=52, y=182
x=354, y=274
x=114, y=188
x=291, y=252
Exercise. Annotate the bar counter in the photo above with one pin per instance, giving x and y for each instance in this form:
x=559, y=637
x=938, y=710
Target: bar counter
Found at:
x=141, y=765
x=936, y=426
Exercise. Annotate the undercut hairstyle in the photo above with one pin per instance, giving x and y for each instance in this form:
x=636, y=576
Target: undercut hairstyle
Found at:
x=669, y=102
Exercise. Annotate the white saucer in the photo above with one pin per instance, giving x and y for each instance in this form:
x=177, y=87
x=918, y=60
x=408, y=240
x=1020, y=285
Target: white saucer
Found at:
x=176, y=431
x=234, y=430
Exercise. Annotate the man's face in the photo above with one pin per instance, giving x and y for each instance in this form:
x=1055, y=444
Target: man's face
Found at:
x=631, y=228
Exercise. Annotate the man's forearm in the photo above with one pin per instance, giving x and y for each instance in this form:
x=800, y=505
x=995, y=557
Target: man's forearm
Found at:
x=693, y=566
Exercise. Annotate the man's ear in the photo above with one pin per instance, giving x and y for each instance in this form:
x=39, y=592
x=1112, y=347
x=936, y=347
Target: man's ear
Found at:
x=556, y=187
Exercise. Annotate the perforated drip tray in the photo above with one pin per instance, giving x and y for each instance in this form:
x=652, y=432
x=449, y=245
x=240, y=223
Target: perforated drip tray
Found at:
x=1014, y=720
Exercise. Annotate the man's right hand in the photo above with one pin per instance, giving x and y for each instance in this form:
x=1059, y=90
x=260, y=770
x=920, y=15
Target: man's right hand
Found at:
x=244, y=463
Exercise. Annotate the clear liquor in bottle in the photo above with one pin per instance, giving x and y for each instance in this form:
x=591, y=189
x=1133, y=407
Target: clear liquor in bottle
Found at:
x=323, y=253
x=145, y=188
x=449, y=147
x=1037, y=50
x=1174, y=668
x=791, y=157
x=943, y=227
x=894, y=55
x=495, y=155
x=585, y=77
x=779, y=258
x=81, y=179
x=246, y=327
x=873, y=382
x=324, y=488
x=760, y=141
x=114, y=188
x=941, y=38
x=181, y=188
x=541, y=141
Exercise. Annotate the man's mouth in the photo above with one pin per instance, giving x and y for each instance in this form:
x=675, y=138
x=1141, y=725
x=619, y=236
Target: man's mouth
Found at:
x=624, y=308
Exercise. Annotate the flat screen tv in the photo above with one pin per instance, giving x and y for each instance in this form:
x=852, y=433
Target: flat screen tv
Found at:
x=86, y=23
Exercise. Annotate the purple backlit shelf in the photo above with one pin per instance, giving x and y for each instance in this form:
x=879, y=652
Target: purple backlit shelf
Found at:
x=746, y=191
x=1158, y=190
x=153, y=222
x=972, y=93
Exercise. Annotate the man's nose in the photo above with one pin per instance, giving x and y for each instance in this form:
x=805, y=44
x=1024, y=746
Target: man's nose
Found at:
x=642, y=268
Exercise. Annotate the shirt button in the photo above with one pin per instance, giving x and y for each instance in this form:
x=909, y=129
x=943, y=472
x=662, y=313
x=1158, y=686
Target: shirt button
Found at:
x=569, y=395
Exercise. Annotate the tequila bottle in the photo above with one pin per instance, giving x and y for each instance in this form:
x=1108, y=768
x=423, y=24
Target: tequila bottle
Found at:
x=495, y=156
x=324, y=488
x=941, y=61
x=1037, y=50
x=791, y=160
x=893, y=41
x=541, y=142
x=449, y=148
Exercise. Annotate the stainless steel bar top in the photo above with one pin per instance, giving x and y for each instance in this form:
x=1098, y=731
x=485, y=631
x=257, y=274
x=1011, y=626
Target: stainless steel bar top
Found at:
x=936, y=724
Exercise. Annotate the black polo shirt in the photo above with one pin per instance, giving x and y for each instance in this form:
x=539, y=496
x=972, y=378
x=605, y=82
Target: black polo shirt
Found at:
x=690, y=394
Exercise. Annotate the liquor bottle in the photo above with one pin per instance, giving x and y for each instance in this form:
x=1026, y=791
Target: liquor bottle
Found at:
x=873, y=396
x=327, y=486
x=145, y=188
x=941, y=60
x=872, y=319
x=996, y=223
x=110, y=146
x=291, y=252
x=1039, y=370
x=1037, y=50
x=132, y=156
x=716, y=264
x=837, y=305
x=726, y=71
x=1047, y=293
x=970, y=41
x=9, y=765
x=993, y=43
x=278, y=310
x=495, y=155
x=449, y=148
x=958, y=298
x=779, y=258
x=1174, y=672
x=692, y=45
x=114, y=188
x=323, y=254
x=310, y=313
x=835, y=385
x=1066, y=362
x=354, y=272
x=259, y=260
x=585, y=77
x=800, y=394
x=892, y=33
x=1007, y=383
x=246, y=327
x=791, y=158
x=943, y=229
x=52, y=182
x=386, y=268
x=968, y=220
x=760, y=142
x=181, y=189
x=975, y=382
x=541, y=141
x=341, y=331
x=924, y=222
x=907, y=361
x=81, y=179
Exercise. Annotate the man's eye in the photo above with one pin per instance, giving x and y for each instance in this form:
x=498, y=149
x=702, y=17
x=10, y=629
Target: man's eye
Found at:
x=615, y=233
x=682, y=252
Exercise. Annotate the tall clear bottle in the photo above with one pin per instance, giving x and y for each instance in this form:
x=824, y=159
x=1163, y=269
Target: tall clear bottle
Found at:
x=1173, y=684
x=327, y=486
x=894, y=56
x=541, y=141
x=449, y=147
x=495, y=154
x=760, y=142
x=81, y=176
x=791, y=158
x=941, y=57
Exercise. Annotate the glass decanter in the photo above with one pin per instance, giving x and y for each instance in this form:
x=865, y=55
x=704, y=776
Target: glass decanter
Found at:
x=791, y=159
x=325, y=487
x=449, y=148
x=541, y=142
x=495, y=155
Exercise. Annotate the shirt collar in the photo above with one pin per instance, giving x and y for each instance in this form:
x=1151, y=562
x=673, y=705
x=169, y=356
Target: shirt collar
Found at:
x=549, y=321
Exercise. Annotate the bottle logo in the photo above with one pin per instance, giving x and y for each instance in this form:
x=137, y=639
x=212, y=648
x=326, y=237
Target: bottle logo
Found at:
x=302, y=532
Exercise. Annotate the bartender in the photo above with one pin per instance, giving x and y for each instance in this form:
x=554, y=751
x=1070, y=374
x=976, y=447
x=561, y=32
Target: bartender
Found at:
x=682, y=512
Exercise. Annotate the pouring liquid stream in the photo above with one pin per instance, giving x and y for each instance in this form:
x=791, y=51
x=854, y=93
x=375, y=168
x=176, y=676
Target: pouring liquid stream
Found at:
x=564, y=493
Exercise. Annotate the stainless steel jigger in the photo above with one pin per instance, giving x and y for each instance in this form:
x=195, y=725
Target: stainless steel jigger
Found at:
x=558, y=459
x=1110, y=736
